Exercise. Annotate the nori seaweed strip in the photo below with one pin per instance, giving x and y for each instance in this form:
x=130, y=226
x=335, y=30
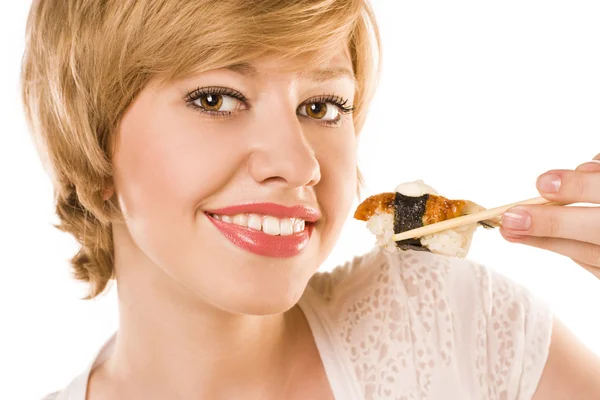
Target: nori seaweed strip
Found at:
x=408, y=214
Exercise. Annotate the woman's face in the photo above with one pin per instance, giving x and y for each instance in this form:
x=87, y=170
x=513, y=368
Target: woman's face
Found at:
x=236, y=182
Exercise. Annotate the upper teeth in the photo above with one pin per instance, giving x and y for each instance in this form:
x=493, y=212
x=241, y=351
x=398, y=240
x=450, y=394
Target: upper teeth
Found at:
x=267, y=223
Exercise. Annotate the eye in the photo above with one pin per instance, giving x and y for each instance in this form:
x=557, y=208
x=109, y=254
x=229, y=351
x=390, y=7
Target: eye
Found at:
x=320, y=110
x=216, y=101
x=325, y=109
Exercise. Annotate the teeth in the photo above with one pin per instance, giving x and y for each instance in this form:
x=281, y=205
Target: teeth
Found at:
x=298, y=225
x=268, y=224
x=286, y=226
x=241, y=219
x=255, y=222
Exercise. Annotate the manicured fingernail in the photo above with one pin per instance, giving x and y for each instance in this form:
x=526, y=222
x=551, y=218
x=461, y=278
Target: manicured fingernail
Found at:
x=548, y=183
x=517, y=219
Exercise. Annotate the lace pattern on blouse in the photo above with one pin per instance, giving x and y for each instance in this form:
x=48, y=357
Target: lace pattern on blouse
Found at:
x=414, y=325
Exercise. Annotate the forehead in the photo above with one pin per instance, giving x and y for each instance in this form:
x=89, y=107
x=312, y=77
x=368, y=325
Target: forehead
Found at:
x=315, y=67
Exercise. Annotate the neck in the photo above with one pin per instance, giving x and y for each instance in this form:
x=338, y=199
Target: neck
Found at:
x=175, y=346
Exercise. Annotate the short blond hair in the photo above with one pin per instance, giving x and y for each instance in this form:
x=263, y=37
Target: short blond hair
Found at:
x=85, y=61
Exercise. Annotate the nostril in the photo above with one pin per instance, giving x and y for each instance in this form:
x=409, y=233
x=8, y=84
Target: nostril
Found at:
x=275, y=179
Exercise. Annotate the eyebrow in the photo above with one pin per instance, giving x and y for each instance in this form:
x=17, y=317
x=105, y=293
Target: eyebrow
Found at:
x=322, y=75
x=242, y=68
x=319, y=75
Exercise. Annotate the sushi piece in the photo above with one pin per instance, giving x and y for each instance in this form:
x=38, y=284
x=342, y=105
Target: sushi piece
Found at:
x=413, y=205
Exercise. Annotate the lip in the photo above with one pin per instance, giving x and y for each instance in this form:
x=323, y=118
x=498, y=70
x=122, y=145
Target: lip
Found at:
x=307, y=213
x=258, y=242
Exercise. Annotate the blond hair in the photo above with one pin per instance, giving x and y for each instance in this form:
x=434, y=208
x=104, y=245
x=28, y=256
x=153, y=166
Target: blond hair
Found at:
x=85, y=61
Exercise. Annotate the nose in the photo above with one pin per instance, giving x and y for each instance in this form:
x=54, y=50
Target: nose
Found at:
x=282, y=155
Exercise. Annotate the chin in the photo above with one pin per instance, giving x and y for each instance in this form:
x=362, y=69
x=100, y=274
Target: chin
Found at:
x=262, y=306
x=259, y=289
x=234, y=280
x=266, y=298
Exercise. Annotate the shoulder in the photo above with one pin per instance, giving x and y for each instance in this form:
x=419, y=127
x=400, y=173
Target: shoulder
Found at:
x=425, y=280
x=410, y=276
x=432, y=318
x=76, y=389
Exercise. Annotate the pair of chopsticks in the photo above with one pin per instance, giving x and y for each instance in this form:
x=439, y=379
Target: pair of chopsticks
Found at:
x=466, y=219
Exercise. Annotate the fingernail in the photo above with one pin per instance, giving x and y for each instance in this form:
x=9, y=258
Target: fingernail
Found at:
x=548, y=183
x=591, y=162
x=517, y=219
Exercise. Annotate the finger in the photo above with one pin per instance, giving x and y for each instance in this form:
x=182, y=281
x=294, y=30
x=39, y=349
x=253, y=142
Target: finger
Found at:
x=577, y=223
x=568, y=186
x=582, y=253
x=594, y=270
x=590, y=166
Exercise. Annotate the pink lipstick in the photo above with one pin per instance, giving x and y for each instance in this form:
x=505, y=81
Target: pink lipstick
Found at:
x=250, y=237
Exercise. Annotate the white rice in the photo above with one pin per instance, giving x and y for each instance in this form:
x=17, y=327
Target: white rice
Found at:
x=382, y=226
x=452, y=242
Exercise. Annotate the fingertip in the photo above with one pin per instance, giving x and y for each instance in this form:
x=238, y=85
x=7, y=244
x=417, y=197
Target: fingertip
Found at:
x=589, y=166
x=510, y=235
x=549, y=183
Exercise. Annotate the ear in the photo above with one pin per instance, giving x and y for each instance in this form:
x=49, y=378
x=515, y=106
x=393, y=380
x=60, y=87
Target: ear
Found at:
x=109, y=189
x=360, y=183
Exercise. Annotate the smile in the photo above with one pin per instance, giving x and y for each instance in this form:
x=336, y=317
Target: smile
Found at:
x=267, y=229
x=266, y=223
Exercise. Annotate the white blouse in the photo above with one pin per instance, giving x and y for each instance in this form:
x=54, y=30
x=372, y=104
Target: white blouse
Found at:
x=414, y=325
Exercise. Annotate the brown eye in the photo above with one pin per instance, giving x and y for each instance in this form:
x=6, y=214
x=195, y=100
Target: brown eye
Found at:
x=217, y=103
x=316, y=110
x=322, y=111
x=211, y=102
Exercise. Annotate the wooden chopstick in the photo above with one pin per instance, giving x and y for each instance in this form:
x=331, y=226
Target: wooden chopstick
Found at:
x=466, y=220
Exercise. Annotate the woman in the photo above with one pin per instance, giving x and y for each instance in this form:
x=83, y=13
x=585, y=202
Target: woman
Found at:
x=204, y=156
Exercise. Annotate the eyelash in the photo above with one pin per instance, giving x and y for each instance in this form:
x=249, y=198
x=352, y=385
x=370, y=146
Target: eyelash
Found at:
x=191, y=97
x=196, y=94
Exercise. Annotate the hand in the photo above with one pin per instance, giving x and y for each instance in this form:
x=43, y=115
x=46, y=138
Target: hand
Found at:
x=571, y=231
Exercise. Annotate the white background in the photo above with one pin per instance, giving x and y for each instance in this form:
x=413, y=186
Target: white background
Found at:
x=476, y=98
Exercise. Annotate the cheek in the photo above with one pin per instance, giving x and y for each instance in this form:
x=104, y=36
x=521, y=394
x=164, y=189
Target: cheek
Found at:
x=338, y=160
x=168, y=162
